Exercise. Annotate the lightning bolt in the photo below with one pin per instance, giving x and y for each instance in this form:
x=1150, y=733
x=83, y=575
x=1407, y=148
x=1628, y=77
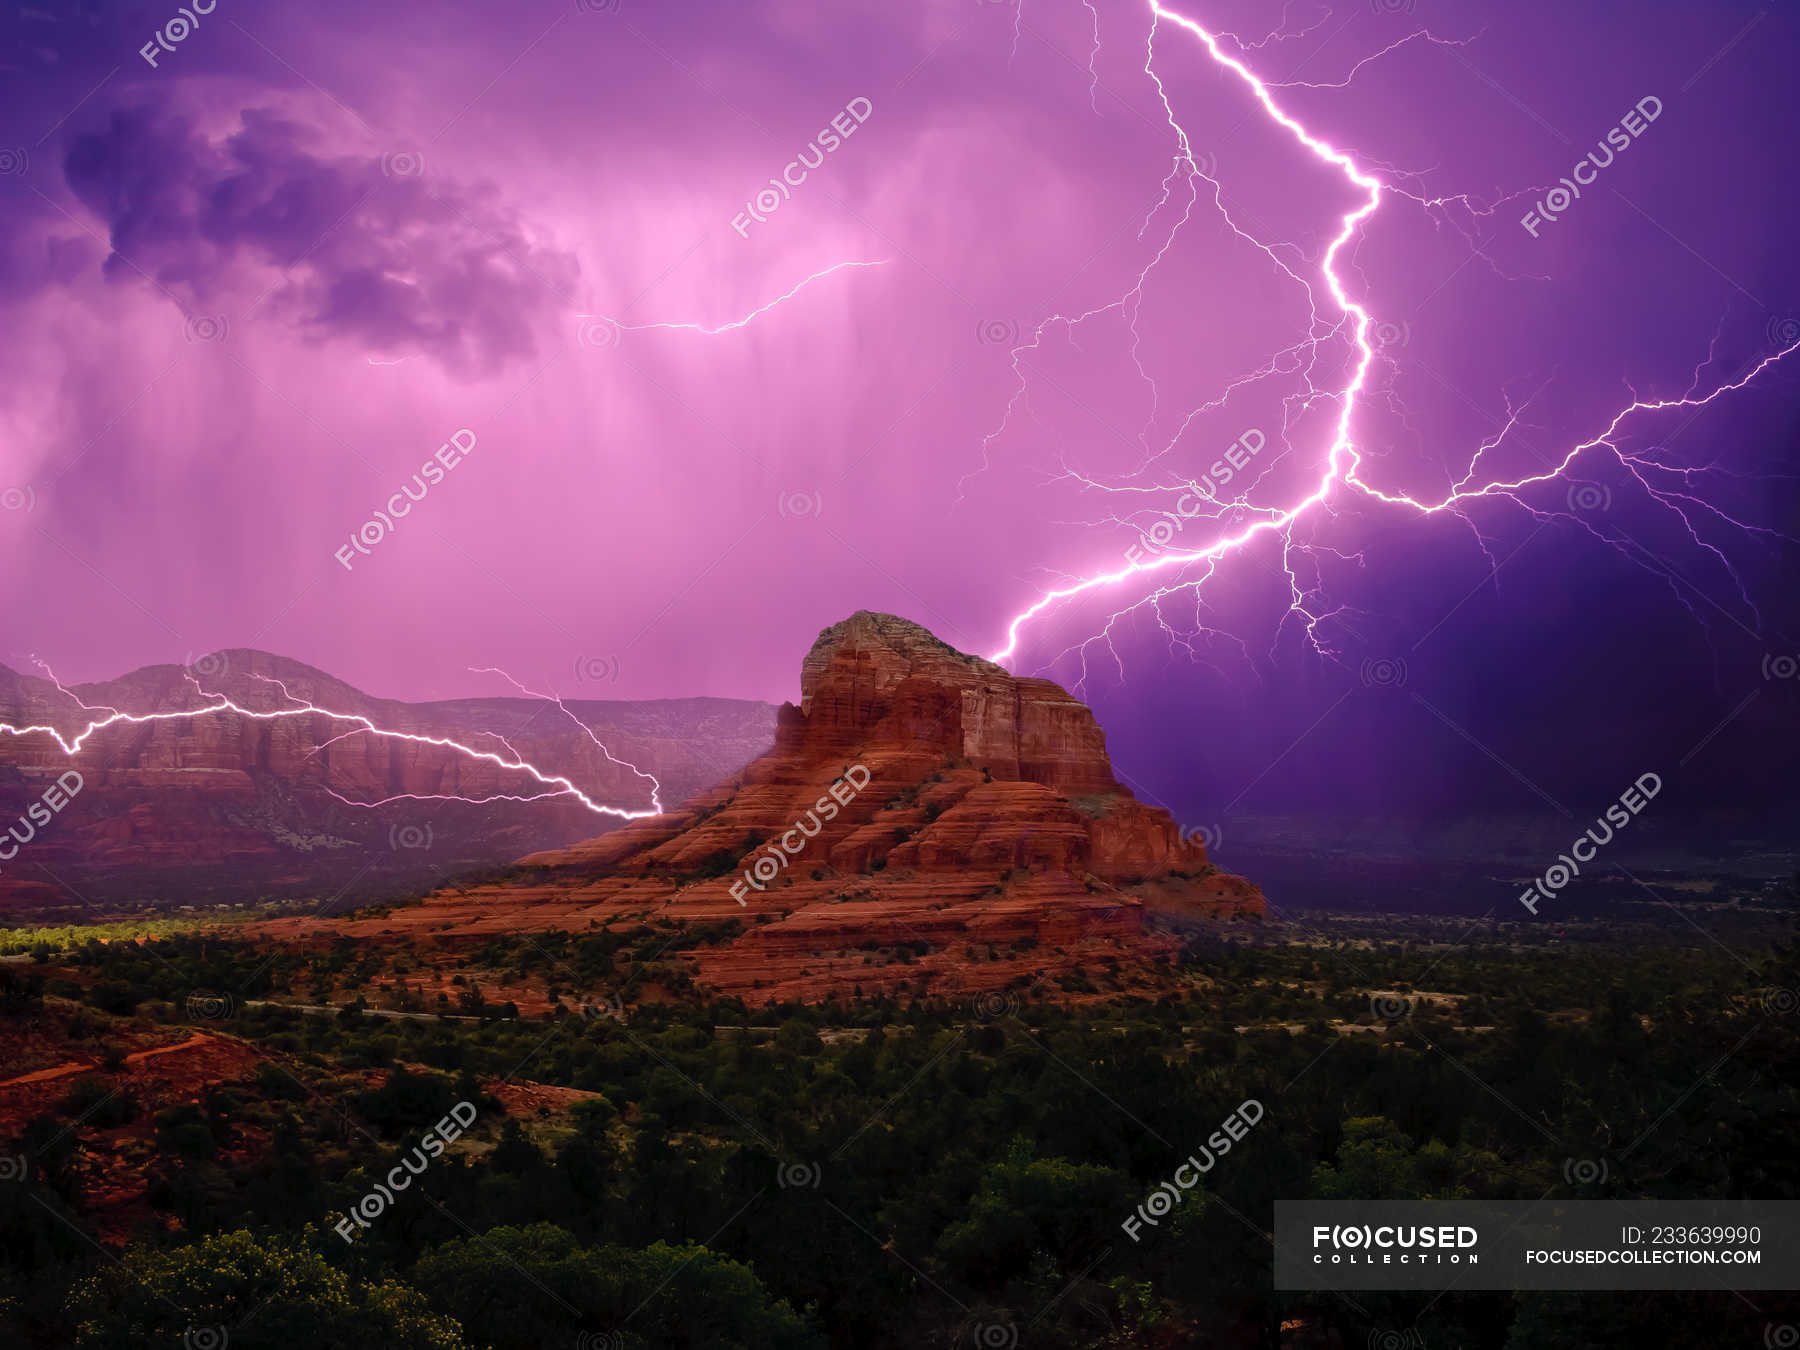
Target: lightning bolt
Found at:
x=655, y=787
x=1242, y=522
x=735, y=324
x=555, y=785
x=1372, y=57
x=1280, y=33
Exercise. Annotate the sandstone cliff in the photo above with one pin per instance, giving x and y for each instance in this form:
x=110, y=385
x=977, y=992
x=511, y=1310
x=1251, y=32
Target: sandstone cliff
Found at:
x=914, y=798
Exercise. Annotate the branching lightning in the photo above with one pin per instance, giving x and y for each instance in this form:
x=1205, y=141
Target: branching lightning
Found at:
x=735, y=324
x=586, y=730
x=1237, y=520
x=1336, y=386
x=554, y=785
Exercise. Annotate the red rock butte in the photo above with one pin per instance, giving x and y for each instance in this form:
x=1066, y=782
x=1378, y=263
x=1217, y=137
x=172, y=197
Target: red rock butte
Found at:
x=917, y=801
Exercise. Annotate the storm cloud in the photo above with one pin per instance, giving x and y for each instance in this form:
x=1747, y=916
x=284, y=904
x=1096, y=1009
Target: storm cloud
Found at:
x=369, y=250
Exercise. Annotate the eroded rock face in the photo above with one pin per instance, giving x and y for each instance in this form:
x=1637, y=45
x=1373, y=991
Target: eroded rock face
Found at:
x=881, y=678
x=914, y=795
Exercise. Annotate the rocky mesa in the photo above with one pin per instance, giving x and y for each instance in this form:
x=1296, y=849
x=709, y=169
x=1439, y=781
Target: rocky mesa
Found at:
x=924, y=819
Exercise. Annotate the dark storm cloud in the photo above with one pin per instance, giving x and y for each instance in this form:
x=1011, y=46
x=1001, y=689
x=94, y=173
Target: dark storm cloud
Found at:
x=369, y=250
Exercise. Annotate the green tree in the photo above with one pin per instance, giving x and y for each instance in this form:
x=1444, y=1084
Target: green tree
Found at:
x=271, y=1293
x=1026, y=1206
x=527, y=1288
x=1374, y=1162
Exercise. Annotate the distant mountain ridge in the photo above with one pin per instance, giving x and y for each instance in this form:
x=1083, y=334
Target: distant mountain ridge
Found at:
x=224, y=806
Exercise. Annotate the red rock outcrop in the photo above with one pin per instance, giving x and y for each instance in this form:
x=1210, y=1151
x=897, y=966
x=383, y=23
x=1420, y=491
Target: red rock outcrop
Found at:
x=916, y=796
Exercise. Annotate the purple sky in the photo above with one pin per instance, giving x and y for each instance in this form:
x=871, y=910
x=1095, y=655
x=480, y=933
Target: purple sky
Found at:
x=250, y=290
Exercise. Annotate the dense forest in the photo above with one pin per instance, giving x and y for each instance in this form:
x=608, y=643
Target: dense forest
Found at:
x=880, y=1173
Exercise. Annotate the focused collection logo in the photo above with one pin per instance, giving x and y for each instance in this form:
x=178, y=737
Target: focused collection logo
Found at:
x=1394, y=1244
